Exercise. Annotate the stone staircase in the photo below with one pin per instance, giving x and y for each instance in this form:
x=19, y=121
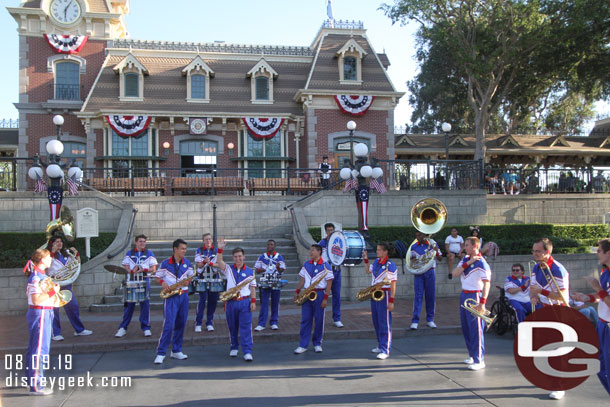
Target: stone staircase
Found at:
x=253, y=249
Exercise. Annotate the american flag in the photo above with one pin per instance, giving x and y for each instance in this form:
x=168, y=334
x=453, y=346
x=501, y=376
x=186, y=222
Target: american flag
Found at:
x=350, y=184
x=72, y=186
x=40, y=186
x=55, y=197
x=378, y=186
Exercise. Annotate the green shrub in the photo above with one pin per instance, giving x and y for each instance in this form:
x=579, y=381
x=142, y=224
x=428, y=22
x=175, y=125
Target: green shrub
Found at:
x=17, y=248
x=511, y=239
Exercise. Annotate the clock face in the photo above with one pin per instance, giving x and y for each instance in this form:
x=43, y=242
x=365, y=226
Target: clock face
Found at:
x=65, y=11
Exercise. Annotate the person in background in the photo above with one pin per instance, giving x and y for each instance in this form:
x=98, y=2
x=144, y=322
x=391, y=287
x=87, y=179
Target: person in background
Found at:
x=324, y=171
x=454, y=245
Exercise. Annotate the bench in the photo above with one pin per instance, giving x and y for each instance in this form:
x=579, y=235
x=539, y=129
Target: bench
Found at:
x=203, y=185
x=282, y=185
x=138, y=184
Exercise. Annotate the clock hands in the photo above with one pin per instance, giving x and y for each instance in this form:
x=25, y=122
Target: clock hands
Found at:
x=66, y=10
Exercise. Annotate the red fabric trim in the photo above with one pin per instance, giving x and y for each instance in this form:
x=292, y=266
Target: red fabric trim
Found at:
x=602, y=294
x=256, y=133
x=70, y=51
x=546, y=293
x=123, y=134
x=384, y=261
x=358, y=113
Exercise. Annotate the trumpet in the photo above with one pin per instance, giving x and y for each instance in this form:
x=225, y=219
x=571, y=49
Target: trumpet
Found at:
x=470, y=304
x=548, y=276
x=374, y=292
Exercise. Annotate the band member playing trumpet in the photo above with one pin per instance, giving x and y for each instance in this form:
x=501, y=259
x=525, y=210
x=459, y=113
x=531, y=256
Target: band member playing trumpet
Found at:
x=550, y=283
x=174, y=271
x=271, y=264
x=475, y=276
x=140, y=263
x=425, y=282
x=206, y=256
x=41, y=299
x=60, y=256
x=329, y=228
x=239, y=310
x=517, y=288
x=601, y=294
x=311, y=310
x=381, y=310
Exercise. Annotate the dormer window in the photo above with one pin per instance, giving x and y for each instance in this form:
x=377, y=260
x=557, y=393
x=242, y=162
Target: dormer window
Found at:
x=131, y=75
x=350, y=57
x=261, y=81
x=198, y=75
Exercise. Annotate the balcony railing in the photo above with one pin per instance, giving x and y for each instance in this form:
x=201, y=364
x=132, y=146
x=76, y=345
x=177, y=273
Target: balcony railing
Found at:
x=66, y=92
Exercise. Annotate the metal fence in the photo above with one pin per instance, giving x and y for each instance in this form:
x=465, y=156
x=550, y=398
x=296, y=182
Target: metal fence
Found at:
x=435, y=174
x=547, y=180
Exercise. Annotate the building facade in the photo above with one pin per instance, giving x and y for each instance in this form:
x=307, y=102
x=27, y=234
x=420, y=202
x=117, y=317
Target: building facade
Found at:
x=187, y=107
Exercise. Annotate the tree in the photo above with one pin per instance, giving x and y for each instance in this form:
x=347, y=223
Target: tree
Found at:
x=505, y=55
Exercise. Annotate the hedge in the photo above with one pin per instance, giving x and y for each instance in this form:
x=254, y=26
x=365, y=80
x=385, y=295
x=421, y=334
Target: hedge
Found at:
x=18, y=247
x=511, y=239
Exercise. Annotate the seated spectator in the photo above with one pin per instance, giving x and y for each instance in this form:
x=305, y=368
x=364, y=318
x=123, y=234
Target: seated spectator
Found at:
x=599, y=182
x=517, y=288
x=487, y=249
x=492, y=181
x=454, y=244
x=587, y=310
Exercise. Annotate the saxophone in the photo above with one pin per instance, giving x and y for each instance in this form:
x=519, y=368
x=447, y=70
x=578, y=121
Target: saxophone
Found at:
x=176, y=288
x=374, y=292
x=309, y=293
x=233, y=292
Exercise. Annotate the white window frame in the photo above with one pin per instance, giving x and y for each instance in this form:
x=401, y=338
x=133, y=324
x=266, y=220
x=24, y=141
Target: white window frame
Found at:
x=283, y=163
x=152, y=132
x=351, y=49
x=262, y=68
x=197, y=67
x=130, y=64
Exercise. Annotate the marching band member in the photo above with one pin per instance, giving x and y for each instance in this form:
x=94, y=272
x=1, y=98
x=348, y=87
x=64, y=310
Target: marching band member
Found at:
x=239, y=311
x=41, y=299
x=313, y=309
x=59, y=253
x=424, y=283
x=269, y=263
x=381, y=311
x=336, y=286
x=542, y=287
x=206, y=255
x=138, y=261
x=475, y=276
x=517, y=289
x=175, y=308
x=601, y=294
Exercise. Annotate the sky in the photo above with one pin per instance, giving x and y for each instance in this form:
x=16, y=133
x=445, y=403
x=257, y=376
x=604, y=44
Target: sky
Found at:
x=272, y=22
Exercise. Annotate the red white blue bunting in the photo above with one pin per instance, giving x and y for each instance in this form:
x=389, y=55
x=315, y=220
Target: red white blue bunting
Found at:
x=66, y=44
x=263, y=128
x=354, y=104
x=128, y=126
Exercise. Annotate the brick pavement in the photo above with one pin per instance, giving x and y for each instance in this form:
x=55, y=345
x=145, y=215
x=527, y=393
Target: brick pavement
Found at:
x=355, y=316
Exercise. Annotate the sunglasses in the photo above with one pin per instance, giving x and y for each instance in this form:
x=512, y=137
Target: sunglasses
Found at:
x=516, y=270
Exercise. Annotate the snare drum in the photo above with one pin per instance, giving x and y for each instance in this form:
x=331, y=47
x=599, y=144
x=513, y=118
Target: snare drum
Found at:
x=217, y=285
x=135, y=291
x=345, y=248
x=276, y=283
x=265, y=282
x=199, y=285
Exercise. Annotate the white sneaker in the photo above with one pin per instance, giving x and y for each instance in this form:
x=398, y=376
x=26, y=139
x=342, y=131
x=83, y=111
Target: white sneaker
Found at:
x=557, y=395
x=339, y=324
x=376, y=350
x=248, y=357
x=275, y=327
x=197, y=328
x=159, y=359
x=233, y=353
x=299, y=350
x=84, y=332
x=382, y=356
x=147, y=332
x=120, y=333
x=432, y=325
x=469, y=361
x=259, y=328
x=414, y=326
x=42, y=392
x=317, y=349
x=58, y=338
x=210, y=328
x=477, y=366
x=178, y=355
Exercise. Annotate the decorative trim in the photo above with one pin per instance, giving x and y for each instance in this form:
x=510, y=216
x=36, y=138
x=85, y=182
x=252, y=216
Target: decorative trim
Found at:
x=197, y=64
x=66, y=44
x=405, y=139
x=351, y=46
x=262, y=67
x=458, y=140
x=64, y=137
x=560, y=141
x=372, y=138
x=203, y=137
x=128, y=126
x=130, y=62
x=509, y=139
x=51, y=61
x=354, y=104
x=263, y=128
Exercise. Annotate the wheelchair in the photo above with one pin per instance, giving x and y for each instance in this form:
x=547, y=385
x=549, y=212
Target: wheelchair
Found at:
x=506, y=315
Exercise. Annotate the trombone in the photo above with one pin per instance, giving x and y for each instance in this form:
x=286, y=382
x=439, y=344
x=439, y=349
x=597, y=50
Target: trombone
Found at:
x=548, y=276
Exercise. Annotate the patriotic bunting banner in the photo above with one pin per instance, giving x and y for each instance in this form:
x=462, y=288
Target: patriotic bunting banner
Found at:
x=66, y=44
x=354, y=104
x=128, y=126
x=363, y=204
x=55, y=198
x=263, y=128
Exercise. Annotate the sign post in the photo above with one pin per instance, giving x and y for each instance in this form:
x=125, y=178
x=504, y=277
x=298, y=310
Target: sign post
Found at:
x=87, y=226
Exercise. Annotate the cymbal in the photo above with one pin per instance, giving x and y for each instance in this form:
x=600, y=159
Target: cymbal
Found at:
x=115, y=269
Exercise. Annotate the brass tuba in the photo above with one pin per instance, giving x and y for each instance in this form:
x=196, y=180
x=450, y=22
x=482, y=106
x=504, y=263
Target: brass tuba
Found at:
x=428, y=216
x=64, y=226
x=469, y=305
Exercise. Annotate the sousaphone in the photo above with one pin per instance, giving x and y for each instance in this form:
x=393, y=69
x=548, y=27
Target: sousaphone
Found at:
x=428, y=216
x=64, y=227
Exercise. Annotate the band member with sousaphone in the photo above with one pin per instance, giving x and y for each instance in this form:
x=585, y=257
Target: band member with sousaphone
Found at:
x=475, y=275
x=271, y=264
x=140, y=263
x=424, y=281
x=384, y=276
x=61, y=257
x=316, y=279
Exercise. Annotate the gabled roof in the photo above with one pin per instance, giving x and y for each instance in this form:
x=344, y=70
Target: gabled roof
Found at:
x=406, y=140
x=263, y=66
x=197, y=64
x=605, y=143
x=352, y=46
x=458, y=140
x=130, y=61
x=560, y=141
x=508, y=141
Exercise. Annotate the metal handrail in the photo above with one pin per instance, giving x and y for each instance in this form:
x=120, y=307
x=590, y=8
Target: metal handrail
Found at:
x=295, y=224
x=134, y=212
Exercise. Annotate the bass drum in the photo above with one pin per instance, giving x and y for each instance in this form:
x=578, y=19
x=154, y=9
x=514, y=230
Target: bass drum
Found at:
x=345, y=248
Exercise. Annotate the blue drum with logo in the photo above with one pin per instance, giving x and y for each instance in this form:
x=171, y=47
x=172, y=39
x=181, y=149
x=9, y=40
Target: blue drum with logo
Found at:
x=345, y=248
